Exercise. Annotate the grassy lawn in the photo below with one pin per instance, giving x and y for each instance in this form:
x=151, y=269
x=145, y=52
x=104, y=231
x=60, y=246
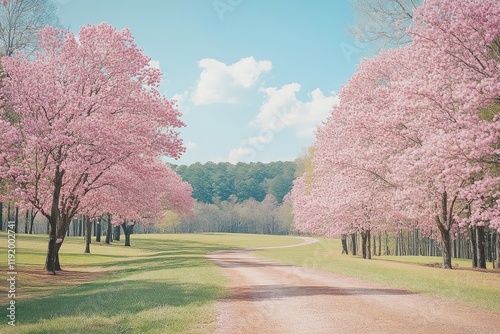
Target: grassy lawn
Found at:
x=162, y=284
x=413, y=273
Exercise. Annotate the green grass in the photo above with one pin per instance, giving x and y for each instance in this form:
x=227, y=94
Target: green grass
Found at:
x=469, y=287
x=162, y=284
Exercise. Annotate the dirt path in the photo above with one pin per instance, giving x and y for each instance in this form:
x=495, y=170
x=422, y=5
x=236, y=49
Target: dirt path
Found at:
x=268, y=297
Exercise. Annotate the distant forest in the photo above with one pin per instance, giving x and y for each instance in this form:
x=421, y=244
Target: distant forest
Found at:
x=241, y=198
x=218, y=182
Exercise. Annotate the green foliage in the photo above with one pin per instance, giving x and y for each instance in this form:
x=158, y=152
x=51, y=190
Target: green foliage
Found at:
x=211, y=181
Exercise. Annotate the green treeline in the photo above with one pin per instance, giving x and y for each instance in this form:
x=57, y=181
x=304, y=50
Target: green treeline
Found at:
x=218, y=182
x=241, y=198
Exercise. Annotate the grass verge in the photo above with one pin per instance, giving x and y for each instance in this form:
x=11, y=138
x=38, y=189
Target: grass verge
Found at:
x=162, y=284
x=417, y=274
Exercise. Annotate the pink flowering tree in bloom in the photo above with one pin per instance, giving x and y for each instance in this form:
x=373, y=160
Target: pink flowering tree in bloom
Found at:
x=415, y=137
x=140, y=193
x=82, y=109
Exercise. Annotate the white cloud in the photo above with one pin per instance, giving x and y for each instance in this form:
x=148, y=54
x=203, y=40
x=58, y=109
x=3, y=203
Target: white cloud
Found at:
x=238, y=154
x=181, y=99
x=191, y=145
x=283, y=109
x=221, y=83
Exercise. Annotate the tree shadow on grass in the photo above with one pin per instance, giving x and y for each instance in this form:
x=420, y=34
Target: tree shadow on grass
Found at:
x=114, y=299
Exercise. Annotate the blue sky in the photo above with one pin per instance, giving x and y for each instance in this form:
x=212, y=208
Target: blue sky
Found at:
x=253, y=78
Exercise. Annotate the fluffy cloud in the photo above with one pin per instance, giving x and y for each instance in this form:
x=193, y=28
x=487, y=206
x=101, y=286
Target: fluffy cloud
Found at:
x=191, y=145
x=283, y=109
x=242, y=153
x=181, y=99
x=221, y=83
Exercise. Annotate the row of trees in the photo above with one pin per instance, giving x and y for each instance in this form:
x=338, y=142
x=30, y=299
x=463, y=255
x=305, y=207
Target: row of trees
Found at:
x=414, y=141
x=231, y=216
x=82, y=130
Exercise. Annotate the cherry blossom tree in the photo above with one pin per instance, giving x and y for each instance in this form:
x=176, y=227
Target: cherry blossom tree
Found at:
x=410, y=142
x=140, y=193
x=82, y=107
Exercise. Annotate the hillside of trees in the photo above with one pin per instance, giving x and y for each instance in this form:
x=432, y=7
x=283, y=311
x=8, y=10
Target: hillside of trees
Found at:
x=218, y=182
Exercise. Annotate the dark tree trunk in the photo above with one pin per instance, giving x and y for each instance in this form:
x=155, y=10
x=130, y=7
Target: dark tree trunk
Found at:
x=489, y=246
x=1, y=216
x=368, y=246
x=498, y=250
x=26, y=222
x=353, y=243
x=363, y=244
x=443, y=223
x=473, y=245
x=88, y=233
x=52, y=260
x=447, y=250
x=9, y=215
x=127, y=230
x=379, y=244
x=109, y=230
x=98, y=230
x=374, y=245
x=32, y=219
x=116, y=233
x=481, y=258
x=344, y=244
x=57, y=264
x=80, y=226
x=16, y=220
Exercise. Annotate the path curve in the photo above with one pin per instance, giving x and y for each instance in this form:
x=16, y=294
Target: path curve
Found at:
x=269, y=297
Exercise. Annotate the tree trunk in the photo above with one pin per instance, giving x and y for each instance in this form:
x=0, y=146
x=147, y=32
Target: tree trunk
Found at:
x=88, y=233
x=481, y=258
x=498, y=250
x=9, y=216
x=379, y=244
x=364, y=243
x=353, y=243
x=387, y=249
x=127, y=230
x=109, y=230
x=473, y=245
x=374, y=245
x=368, y=246
x=489, y=246
x=447, y=250
x=443, y=223
x=116, y=233
x=1, y=216
x=52, y=260
x=98, y=231
x=344, y=244
x=32, y=219
x=16, y=220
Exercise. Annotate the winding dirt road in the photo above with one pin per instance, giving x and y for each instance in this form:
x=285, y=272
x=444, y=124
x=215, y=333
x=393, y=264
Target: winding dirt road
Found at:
x=269, y=297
